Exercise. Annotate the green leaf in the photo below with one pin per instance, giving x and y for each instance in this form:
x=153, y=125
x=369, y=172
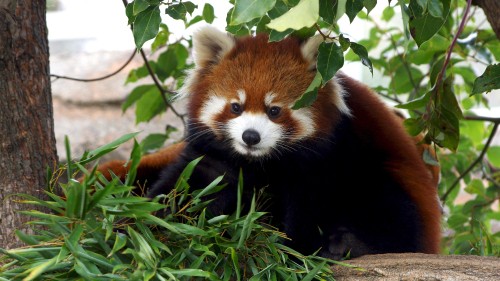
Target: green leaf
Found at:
x=422, y=3
x=190, y=273
x=388, y=13
x=476, y=186
x=305, y=14
x=139, y=6
x=345, y=43
x=361, y=51
x=414, y=126
x=402, y=82
x=311, y=93
x=135, y=158
x=168, y=63
x=129, y=12
x=194, y=20
x=435, y=8
x=275, y=36
x=488, y=81
x=149, y=105
x=102, y=150
x=120, y=242
x=278, y=10
x=153, y=142
x=247, y=10
x=494, y=155
x=179, y=11
x=209, y=188
x=405, y=17
x=474, y=131
x=417, y=103
x=352, y=8
x=40, y=269
x=312, y=274
x=424, y=25
x=330, y=60
x=448, y=99
x=445, y=129
x=186, y=174
x=369, y=5
x=135, y=95
x=328, y=10
x=208, y=13
x=160, y=40
x=146, y=25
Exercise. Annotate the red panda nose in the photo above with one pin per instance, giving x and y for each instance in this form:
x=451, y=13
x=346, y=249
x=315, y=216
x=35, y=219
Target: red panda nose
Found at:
x=251, y=137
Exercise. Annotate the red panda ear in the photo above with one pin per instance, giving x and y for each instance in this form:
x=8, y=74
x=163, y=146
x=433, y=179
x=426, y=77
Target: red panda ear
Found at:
x=309, y=50
x=210, y=45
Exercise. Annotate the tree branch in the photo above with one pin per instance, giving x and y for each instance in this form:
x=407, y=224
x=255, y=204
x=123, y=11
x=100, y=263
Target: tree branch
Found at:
x=160, y=87
x=478, y=159
x=96, y=79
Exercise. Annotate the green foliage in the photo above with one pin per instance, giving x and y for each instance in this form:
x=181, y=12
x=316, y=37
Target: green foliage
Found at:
x=488, y=81
x=100, y=230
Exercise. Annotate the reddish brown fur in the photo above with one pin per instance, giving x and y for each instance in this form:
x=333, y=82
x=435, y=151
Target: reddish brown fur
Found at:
x=367, y=108
x=149, y=165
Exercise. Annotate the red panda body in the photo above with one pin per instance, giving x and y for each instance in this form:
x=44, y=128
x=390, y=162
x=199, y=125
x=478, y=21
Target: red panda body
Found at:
x=342, y=175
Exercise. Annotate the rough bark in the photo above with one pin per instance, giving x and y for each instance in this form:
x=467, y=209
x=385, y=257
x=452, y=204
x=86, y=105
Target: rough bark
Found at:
x=27, y=142
x=492, y=10
x=419, y=267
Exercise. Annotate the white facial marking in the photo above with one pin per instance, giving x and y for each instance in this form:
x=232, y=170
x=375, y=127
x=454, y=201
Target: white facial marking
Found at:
x=268, y=99
x=270, y=133
x=242, y=96
x=212, y=106
x=304, y=117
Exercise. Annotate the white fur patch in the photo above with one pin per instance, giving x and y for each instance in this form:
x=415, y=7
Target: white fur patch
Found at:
x=270, y=133
x=242, y=96
x=338, y=96
x=307, y=125
x=268, y=99
x=211, y=107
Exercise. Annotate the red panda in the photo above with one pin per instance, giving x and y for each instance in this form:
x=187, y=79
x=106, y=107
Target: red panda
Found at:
x=342, y=174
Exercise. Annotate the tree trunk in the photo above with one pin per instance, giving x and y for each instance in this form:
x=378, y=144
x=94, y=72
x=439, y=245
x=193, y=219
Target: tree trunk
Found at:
x=492, y=10
x=27, y=142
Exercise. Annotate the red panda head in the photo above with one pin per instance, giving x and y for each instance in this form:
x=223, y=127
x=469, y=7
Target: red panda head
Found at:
x=242, y=91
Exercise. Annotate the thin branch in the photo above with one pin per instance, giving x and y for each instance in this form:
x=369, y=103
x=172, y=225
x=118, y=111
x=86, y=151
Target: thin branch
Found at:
x=160, y=87
x=95, y=79
x=478, y=159
x=450, y=49
x=163, y=91
x=495, y=120
x=325, y=36
x=394, y=99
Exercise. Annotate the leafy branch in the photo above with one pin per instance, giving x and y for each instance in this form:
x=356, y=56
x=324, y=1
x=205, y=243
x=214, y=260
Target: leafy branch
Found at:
x=496, y=122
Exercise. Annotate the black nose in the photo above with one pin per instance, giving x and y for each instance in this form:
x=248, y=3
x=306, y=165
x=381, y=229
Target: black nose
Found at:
x=251, y=137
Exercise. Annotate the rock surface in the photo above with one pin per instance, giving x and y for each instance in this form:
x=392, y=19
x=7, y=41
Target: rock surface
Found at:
x=419, y=267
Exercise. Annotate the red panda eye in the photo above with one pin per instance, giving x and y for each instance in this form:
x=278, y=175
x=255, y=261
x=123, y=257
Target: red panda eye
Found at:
x=236, y=108
x=274, y=111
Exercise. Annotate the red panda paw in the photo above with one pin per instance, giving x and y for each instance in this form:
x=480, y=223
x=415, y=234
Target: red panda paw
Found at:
x=344, y=244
